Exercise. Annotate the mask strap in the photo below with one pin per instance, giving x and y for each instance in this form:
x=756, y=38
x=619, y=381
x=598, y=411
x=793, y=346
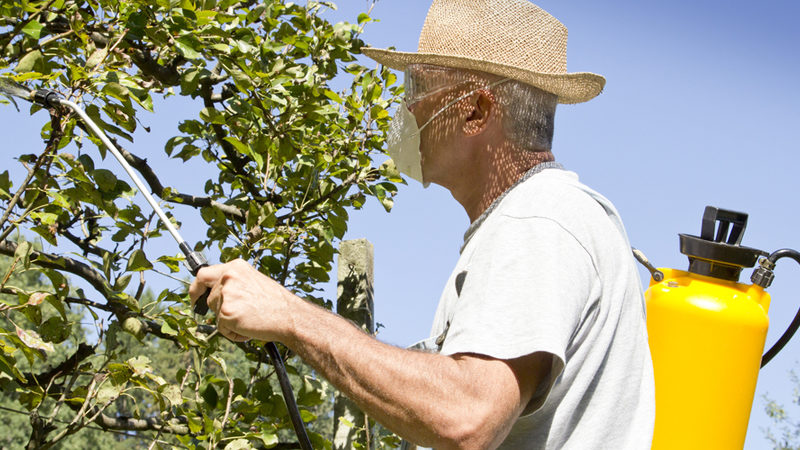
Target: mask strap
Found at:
x=448, y=105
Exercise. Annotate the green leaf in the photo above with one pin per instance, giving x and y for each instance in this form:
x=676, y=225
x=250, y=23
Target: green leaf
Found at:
x=168, y=330
x=239, y=444
x=210, y=395
x=32, y=339
x=345, y=422
x=173, y=394
x=33, y=29
x=105, y=179
x=237, y=144
x=364, y=18
x=27, y=62
x=211, y=115
x=269, y=438
x=9, y=365
x=333, y=96
x=185, y=47
x=221, y=362
x=23, y=253
x=55, y=330
x=138, y=262
x=5, y=186
x=56, y=303
x=195, y=425
x=122, y=282
x=108, y=392
x=189, y=81
x=117, y=91
x=140, y=365
x=172, y=262
x=96, y=57
x=389, y=171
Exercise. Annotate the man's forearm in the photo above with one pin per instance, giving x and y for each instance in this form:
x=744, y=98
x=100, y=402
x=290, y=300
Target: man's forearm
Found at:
x=430, y=399
x=459, y=401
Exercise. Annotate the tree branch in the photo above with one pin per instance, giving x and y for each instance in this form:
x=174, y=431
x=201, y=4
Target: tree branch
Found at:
x=158, y=188
x=84, y=244
x=70, y=364
x=173, y=426
x=238, y=161
x=93, y=277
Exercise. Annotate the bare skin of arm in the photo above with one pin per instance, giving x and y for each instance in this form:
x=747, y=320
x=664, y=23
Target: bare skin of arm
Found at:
x=459, y=401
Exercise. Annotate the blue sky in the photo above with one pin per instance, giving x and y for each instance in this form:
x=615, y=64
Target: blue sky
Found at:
x=700, y=108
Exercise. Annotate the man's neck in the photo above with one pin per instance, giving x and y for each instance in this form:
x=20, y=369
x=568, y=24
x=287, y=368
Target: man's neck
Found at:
x=498, y=175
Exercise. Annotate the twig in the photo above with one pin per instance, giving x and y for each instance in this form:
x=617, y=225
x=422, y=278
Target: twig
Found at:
x=228, y=404
x=21, y=24
x=14, y=200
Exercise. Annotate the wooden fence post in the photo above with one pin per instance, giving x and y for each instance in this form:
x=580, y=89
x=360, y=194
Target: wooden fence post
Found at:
x=355, y=303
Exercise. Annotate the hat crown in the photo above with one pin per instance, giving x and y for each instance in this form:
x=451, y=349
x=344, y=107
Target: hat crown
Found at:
x=509, y=32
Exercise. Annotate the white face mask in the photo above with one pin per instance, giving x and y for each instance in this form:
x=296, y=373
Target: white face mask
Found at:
x=403, y=143
x=402, y=140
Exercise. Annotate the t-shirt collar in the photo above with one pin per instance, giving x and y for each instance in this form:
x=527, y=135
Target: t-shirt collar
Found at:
x=473, y=227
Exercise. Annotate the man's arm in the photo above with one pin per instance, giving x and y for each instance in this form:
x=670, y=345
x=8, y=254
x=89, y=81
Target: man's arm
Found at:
x=459, y=401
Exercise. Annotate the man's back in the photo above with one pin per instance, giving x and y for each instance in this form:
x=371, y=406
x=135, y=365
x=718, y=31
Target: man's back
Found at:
x=549, y=269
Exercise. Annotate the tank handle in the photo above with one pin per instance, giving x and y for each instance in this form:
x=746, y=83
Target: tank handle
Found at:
x=726, y=218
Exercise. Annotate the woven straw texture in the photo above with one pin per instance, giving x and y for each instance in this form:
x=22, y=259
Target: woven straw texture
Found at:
x=510, y=38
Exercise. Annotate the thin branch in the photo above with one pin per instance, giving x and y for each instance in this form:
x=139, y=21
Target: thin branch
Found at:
x=158, y=188
x=21, y=24
x=70, y=364
x=52, y=144
x=50, y=261
x=238, y=161
x=346, y=184
x=84, y=244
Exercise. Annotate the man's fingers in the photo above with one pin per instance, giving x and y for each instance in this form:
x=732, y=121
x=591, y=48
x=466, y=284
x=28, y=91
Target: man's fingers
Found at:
x=215, y=298
x=206, y=278
x=232, y=335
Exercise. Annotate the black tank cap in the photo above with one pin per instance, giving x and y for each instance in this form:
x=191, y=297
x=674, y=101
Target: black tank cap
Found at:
x=717, y=252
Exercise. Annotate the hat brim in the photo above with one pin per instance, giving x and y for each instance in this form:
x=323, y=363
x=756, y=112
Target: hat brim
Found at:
x=577, y=87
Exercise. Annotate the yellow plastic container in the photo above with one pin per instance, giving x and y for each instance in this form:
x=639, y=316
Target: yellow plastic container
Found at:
x=706, y=336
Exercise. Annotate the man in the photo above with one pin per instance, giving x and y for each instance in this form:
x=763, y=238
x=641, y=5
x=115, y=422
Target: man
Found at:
x=539, y=340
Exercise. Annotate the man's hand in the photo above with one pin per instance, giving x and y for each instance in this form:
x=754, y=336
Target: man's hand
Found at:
x=248, y=304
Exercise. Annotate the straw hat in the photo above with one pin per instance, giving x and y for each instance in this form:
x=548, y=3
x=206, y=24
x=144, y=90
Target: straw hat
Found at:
x=511, y=38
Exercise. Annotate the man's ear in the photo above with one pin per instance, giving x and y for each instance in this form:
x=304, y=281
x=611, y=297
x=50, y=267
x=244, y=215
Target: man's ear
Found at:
x=481, y=108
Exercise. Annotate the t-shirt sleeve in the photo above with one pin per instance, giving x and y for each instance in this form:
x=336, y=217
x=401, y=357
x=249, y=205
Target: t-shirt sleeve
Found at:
x=527, y=286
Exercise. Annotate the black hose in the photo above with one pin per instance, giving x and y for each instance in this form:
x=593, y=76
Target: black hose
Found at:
x=790, y=331
x=288, y=396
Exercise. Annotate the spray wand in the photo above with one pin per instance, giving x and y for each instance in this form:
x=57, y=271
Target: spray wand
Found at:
x=194, y=260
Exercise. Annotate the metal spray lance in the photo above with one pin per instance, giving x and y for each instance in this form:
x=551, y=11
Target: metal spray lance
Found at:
x=194, y=260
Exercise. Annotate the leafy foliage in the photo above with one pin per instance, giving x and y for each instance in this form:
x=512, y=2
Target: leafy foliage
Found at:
x=286, y=156
x=787, y=427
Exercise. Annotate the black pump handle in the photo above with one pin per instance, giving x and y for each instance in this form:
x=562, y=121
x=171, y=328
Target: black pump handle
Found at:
x=196, y=261
x=726, y=218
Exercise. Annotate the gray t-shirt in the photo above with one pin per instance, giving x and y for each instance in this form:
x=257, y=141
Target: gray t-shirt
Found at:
x=548, y=268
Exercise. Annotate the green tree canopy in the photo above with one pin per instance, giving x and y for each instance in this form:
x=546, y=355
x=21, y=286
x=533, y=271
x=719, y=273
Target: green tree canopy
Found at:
x=287, y=155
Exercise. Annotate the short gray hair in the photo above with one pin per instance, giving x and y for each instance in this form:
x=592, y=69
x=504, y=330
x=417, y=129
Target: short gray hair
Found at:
x=527, y=113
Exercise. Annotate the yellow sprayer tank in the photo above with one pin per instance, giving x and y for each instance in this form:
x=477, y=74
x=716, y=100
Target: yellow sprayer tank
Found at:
x=707, y=334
